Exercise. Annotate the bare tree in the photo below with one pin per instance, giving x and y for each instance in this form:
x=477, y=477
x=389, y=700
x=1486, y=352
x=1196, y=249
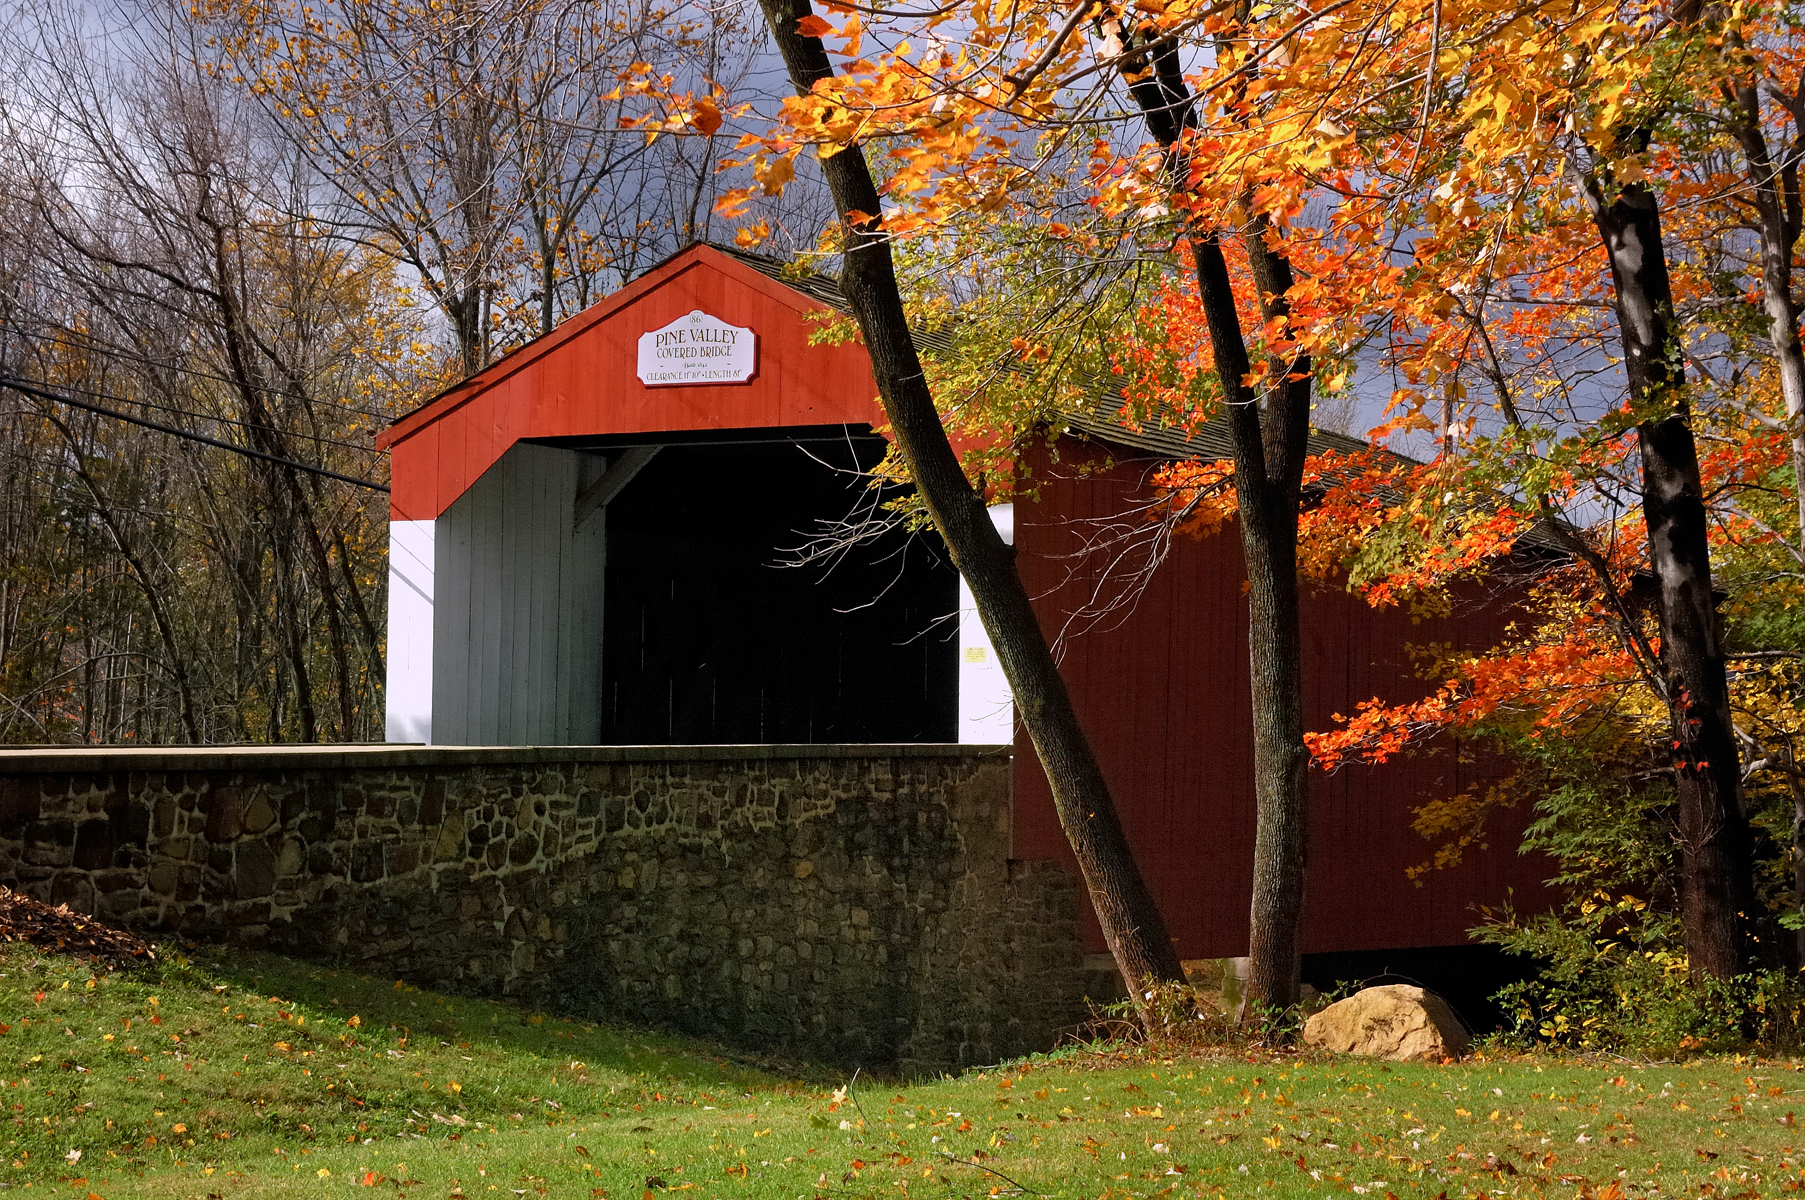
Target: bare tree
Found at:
x=486, y=146
x=167, y=284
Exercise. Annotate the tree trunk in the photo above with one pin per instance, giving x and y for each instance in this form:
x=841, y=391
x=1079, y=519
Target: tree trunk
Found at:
x=1269, y=434
x=1774, y=191
x=1132, y=924
x=1716, y=882
x=1269, y=459
x=1270, y=442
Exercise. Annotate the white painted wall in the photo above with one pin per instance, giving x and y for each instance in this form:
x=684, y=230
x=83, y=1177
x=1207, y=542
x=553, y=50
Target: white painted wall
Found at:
x=517, y=627
x=409, y=686
x=986, y=706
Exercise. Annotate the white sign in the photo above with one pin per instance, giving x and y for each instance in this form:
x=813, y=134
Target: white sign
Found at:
x=697, y=348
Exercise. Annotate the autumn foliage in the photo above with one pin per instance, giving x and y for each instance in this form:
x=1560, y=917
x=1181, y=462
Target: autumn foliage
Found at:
x=1449, y=187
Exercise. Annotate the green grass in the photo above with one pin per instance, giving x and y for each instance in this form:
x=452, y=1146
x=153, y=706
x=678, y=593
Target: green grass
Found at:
x=252, y=1075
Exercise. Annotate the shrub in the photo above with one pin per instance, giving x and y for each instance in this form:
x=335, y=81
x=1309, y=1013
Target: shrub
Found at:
x=1613, y=968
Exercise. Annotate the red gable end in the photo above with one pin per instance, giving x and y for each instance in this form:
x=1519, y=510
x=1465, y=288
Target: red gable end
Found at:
x=582, y=380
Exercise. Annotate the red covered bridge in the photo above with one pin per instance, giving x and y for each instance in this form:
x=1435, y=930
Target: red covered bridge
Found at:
x=584, y=551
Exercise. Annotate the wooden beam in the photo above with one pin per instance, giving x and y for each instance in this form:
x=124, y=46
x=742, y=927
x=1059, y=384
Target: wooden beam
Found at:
x=619, y=474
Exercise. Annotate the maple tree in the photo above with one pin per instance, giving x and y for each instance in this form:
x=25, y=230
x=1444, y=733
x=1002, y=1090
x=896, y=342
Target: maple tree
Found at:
x=1469, y=194
x=1561, y=200
x=1233, y=149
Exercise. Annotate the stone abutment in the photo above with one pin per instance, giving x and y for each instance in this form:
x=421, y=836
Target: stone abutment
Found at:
x=853, y=904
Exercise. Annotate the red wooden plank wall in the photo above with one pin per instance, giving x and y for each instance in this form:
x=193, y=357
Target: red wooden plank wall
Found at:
x=1163, y=693
x=581, y=380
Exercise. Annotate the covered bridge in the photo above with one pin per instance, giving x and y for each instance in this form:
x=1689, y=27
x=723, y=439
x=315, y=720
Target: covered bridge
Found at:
x=595, y=541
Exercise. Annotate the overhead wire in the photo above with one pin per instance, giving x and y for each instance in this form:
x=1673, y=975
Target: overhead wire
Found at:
x=317, y=438
x=29, y=388
x=117, y=350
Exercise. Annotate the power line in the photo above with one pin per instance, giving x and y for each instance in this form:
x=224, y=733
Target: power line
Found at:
x=317, y=438
x=113, y=349
x=31, y=389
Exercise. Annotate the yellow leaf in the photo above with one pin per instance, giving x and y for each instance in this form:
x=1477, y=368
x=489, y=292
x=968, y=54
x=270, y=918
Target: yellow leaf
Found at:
x=773, y=174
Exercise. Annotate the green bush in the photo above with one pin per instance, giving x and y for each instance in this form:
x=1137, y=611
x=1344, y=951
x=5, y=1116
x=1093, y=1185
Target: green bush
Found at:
x=1613, y=973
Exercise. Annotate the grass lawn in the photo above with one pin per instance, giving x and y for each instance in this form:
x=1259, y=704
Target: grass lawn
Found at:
x=251, y=1075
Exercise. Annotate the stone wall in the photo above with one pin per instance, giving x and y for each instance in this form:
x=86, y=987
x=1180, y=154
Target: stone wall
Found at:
x=853, y=904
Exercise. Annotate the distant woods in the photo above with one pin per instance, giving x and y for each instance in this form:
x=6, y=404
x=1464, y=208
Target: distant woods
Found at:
x=278, y=227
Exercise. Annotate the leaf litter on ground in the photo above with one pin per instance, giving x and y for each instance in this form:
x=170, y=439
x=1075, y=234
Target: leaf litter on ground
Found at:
x=62, y=929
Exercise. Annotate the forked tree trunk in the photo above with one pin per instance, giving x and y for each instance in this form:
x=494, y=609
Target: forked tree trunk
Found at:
x=1270, y=443
x=1269, y=434
x=1717, y=882
x=1131, y=923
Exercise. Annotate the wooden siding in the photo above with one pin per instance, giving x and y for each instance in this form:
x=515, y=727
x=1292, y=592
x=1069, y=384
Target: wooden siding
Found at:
x=517, y=615
x=580, y=380
x=1163, y=692
x=407, y=690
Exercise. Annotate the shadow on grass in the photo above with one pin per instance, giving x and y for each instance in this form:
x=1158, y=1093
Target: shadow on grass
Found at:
x=393, y=1010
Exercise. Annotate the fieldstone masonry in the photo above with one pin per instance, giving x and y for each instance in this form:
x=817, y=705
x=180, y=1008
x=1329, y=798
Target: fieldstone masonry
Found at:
x=853, y=904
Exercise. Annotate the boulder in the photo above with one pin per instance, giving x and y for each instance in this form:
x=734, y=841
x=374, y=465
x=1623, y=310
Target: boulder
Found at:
x=1395, y=1022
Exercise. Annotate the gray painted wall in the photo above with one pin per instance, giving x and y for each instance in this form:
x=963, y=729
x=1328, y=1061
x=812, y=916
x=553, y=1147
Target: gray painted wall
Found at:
x=517, y=615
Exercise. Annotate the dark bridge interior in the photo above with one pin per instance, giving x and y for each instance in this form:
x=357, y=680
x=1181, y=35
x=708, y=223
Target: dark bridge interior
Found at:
x=709, y=638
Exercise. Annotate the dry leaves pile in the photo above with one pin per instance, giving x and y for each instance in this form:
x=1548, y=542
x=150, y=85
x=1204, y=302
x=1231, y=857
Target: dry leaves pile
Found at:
x=23, y=919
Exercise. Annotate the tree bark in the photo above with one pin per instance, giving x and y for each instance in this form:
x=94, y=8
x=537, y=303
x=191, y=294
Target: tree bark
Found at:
x=1774, y=192
x=1270, y=448
x=1716, y=881
x=1132, y=924
x=1269, y=434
